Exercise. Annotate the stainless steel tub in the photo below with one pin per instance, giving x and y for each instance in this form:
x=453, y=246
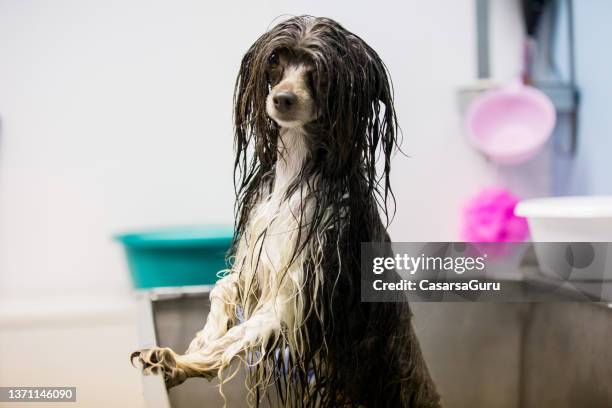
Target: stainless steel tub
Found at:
x=480, y=354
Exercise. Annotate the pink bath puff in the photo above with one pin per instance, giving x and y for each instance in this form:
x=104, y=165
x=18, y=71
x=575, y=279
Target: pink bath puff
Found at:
x=489, y=217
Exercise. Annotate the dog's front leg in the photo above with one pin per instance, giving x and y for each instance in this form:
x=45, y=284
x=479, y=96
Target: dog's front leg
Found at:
x=222, y=314
x=254, y=333
x=221, y=317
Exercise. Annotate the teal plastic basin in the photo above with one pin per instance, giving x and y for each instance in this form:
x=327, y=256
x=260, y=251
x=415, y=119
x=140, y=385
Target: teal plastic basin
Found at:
x=179, y=256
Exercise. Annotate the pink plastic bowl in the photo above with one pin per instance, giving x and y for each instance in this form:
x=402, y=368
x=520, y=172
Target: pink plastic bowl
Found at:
x=510, y=125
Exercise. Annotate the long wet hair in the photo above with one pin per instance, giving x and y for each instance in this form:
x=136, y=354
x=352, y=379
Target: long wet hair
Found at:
x=349, y=353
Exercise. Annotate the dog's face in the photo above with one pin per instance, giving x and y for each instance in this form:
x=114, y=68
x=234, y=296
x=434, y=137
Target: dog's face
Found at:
x=292, y=79
x=311, y=72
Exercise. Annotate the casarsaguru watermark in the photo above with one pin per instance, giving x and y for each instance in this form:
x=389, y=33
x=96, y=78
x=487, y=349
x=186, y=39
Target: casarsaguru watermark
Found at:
x=424, y=284
x=423, y=263
x=485, y=272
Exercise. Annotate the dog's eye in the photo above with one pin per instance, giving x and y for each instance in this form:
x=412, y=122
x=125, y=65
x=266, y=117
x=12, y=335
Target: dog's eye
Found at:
x=273, y=59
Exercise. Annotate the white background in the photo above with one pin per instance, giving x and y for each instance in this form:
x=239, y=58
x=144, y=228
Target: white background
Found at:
x=117, y=115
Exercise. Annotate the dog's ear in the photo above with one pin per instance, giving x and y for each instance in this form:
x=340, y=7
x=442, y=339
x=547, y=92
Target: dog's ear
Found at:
x=360, y=113
x=379, y=121
x=254, y=133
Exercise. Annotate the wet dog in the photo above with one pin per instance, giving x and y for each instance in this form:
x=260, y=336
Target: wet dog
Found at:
x=313, y=114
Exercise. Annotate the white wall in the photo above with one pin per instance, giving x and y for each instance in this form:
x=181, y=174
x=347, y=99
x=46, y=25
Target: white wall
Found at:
x=117, y=115
x=591, y=169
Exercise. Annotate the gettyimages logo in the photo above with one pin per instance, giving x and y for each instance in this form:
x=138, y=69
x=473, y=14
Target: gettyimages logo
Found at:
x=486, y=272
x=412, y=264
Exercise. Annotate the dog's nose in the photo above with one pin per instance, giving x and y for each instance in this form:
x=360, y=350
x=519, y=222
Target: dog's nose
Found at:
x=283, y=101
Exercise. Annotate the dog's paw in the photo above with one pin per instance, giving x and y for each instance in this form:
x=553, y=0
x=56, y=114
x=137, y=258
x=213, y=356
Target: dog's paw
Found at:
x=159, y=361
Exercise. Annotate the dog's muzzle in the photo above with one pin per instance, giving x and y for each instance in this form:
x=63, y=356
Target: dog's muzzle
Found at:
x=284, y=101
